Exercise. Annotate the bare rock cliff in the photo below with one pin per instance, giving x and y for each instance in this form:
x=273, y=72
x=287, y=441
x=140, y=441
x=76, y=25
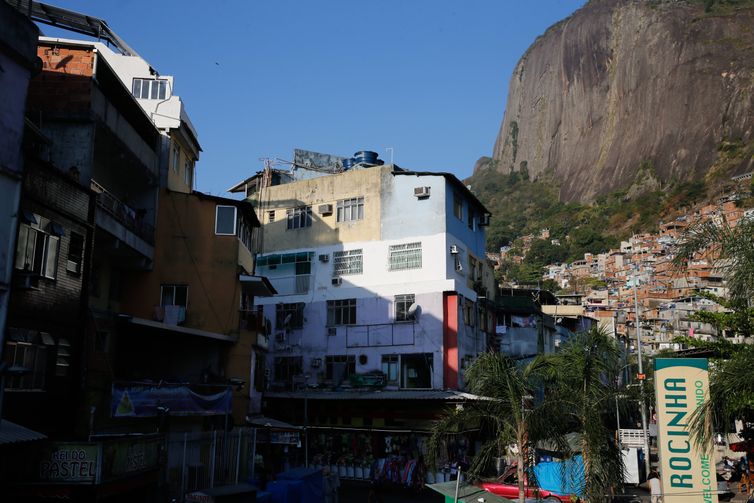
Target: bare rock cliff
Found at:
x=629, y=83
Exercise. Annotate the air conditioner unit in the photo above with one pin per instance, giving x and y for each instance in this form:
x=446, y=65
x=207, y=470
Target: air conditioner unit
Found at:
x=337, y=281
x=484, y=220
x=73, y=266
x=421, y=192
x=454, y=249
x=325, y=209
x=324, y=257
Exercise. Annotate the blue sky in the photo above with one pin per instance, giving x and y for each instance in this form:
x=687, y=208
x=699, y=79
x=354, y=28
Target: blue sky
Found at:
x=426, y=78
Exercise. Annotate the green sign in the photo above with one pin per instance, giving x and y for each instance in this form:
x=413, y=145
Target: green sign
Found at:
x=687, y=471
x=69, y=463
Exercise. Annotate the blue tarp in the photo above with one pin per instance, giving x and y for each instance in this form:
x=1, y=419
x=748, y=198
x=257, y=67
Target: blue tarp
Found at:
x=143, y=399
x=562, y=477
x=286, y=491
x=312, y=480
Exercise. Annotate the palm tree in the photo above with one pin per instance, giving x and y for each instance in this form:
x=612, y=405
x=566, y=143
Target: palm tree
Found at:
x=581, y=387
x=731, y=380
x=502, y=415
x=734, y=248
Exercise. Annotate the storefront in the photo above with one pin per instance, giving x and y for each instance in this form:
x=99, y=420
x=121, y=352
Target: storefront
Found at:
x=355, y=433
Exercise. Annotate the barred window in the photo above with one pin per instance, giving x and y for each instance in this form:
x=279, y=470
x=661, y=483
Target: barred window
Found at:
x=293, y=312
x=405, y=256
x=300, y=217
x=350, y=209
x=402, y=303
x=341, y=312
x=348, y=262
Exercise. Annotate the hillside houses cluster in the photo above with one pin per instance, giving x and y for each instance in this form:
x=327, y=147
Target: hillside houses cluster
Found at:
x=642, y=270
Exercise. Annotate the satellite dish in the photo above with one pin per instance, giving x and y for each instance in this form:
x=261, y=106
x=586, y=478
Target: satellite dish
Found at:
x=287, y=320
x=414, y=311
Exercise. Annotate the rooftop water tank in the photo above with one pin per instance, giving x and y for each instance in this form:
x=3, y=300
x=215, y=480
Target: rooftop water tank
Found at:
x=347, y=164
x=367, y=157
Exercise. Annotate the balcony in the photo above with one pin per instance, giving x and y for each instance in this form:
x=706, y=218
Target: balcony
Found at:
x=291, y=285
x=131, y=219
x=377, y=335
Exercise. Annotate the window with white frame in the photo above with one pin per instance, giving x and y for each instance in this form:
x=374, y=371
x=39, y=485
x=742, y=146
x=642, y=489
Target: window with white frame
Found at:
x=150, y=89
x=38, y=246
x=75, y=253
x=341, y=312
x=350, y=209
x=348, y=262
x=402, y=303
x=174, y=295
x=225, y=220
x=176, y=157
x=458, y=206
x=188, y=172
x=405, y=256
x=289, y=315
x=300, y=217
x=390, y=367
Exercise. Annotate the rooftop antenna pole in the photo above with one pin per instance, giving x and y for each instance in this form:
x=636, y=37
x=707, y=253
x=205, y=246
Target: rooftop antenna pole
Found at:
x=391, y=153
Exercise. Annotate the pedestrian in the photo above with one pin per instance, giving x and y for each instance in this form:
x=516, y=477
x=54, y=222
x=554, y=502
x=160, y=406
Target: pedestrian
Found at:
x=655, y=488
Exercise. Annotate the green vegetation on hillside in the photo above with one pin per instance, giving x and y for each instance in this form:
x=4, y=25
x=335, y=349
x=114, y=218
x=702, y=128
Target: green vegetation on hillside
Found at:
x=521, y=206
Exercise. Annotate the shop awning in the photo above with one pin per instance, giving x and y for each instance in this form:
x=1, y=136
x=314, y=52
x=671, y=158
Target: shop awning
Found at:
x=11, y=433
x=449, y=395
x=258, y=286
x=177, y=329
x=269, y=422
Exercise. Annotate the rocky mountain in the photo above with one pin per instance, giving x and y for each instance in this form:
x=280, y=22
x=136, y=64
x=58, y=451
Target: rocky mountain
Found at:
x=635, y=95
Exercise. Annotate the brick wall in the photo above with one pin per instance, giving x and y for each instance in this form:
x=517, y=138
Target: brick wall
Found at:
x=65, y=83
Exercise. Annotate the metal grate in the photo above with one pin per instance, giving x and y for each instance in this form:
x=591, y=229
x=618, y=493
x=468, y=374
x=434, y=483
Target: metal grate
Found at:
x=405, y=256
x=348, y=262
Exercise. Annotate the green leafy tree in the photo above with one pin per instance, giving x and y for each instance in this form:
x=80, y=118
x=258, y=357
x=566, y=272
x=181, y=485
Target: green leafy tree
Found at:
x=504, y=416
x=581, y=386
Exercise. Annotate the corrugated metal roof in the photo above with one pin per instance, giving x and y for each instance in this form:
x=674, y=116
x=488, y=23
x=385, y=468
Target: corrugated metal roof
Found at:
x=11, y=433
x=376, y=395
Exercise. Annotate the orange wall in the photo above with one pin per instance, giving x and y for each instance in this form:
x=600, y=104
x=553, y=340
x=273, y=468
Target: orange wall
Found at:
x=187, y=252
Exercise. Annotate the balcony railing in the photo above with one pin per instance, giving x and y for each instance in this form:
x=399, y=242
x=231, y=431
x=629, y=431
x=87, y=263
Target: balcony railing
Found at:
x=130, y=218
x=380, y=334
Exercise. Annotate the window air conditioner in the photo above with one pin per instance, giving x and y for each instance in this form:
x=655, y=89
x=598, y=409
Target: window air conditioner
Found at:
x=324, y=257
x=421, y=192
x=454, y=249
x=484, y=220
x=325, y=209
x=337, y=281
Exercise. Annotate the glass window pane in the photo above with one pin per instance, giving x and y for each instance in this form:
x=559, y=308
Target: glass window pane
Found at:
x=137, y=87
x=23, y=233
x=163, y=87
x=51, y=256
x=145, y=89
x=155, y=90
x=226, y=220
